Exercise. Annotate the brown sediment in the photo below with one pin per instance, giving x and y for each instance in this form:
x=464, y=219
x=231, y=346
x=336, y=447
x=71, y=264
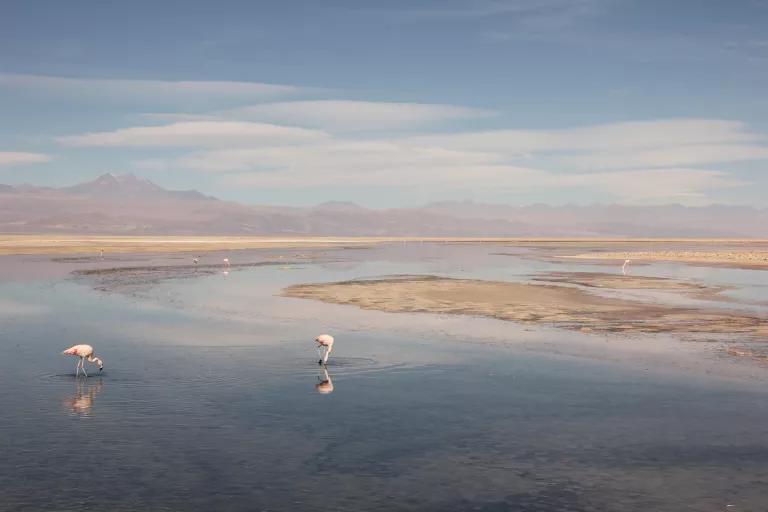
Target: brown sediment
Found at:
x=559, y=306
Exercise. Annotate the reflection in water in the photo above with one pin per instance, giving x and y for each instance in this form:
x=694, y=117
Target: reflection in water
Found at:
x=81, y=402
x=325, y=386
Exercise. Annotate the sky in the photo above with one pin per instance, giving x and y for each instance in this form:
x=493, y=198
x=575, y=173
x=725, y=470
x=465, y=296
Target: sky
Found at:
x=392, y=103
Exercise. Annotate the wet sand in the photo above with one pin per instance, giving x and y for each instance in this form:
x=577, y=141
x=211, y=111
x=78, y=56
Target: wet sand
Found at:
x=607, y=281
x=734, y=258
x=556, y=305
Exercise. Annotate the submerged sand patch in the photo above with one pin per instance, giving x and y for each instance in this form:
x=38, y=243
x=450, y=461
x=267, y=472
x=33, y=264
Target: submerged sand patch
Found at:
x=613, y=281
x=556, y=305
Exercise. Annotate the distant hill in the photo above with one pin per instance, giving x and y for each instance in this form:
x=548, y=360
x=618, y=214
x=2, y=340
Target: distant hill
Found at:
x=127, y=204
x=128, y=185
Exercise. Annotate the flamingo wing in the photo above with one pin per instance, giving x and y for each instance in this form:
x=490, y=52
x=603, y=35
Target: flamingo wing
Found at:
x=79, y=350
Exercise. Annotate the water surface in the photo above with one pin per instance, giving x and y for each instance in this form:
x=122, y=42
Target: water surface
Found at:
x=210, y=399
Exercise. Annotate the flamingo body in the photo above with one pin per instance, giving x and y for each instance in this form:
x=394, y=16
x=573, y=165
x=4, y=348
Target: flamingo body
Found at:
x=324, y=343
x=84, y=352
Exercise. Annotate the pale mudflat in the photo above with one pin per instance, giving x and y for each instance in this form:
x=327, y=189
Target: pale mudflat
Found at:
x=739, y=258
x=561, y=306
x=602, y=280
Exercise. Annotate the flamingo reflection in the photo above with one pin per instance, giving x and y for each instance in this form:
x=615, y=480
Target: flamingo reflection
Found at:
x=81, y=402
x=325, y=386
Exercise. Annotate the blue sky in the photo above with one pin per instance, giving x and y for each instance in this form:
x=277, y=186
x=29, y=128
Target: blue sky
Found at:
x=392, y=103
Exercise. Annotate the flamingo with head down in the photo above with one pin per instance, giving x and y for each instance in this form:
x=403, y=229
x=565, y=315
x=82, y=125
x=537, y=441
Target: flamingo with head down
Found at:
x=324, y=347
x=84, y=352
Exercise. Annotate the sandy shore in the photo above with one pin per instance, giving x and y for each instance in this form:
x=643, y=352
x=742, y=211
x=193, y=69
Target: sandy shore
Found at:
x=738, y=258
x=32, y=244
x=728, y=251
x=556, y=305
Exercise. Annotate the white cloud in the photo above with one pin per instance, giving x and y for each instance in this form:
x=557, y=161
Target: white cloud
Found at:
x=646, y=186
x=152, y=90
x=438, y=177
x=530, y=16
x=177, y=117
x=357, y=157
x=391, y=165
x=680, y=185
x=700, y=154
x=18, y=157
x=612, y=137
x=197, y=134
x=341, y=115
x=633, y=162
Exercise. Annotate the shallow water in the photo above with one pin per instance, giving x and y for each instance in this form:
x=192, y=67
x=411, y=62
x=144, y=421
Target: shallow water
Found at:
x=211, y=399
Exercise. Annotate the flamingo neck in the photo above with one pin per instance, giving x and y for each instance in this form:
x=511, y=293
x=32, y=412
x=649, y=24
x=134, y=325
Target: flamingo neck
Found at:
x=93, y=359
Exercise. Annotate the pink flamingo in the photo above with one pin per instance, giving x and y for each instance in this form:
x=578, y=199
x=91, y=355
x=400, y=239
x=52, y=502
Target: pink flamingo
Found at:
x=83, y=352
x=324, y=343
x=226, y=262
x=624, y=267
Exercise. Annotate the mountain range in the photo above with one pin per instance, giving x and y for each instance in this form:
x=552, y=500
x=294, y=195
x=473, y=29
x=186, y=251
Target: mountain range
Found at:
x=130, y=205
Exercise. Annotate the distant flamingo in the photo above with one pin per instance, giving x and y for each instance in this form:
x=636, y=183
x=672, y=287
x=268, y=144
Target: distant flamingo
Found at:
x=325, y=386
x=101, y=253
x=624, y=267
x=83, y=352
x=195, y=260
x=324, y=344
x=226, y=262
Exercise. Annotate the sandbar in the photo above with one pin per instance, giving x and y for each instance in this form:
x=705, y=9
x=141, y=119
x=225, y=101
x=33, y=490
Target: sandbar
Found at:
x=551, y=304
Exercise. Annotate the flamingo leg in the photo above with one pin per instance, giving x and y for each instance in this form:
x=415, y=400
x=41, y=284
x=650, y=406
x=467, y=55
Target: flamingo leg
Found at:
x=327, y=353
x=77, y=369
x=320, y=354
x=82, y=367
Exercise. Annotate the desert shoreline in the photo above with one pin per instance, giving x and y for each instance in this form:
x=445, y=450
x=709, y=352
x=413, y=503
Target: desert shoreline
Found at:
x=736, y=252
